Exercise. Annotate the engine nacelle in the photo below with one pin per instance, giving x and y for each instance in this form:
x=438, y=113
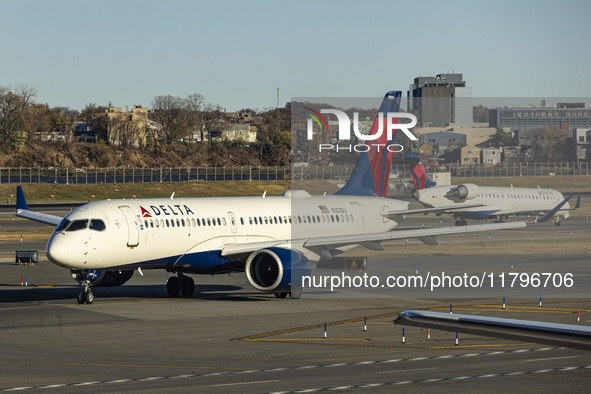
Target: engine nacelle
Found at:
x=276, y=269
x=466, y=191
x=100, y=278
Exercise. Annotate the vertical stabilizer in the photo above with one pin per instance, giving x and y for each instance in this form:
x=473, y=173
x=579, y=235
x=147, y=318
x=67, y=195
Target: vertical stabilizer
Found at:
x=370, y=174
x=417, y=171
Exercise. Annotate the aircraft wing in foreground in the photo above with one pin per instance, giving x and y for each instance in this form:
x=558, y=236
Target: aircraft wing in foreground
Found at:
x=567, y=335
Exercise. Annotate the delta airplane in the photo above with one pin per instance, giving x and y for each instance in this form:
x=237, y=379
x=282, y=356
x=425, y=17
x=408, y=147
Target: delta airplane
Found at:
x=271, y=239
x=470, y=201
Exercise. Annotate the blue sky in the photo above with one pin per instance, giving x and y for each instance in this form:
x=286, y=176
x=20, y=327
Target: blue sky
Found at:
x=236, y=53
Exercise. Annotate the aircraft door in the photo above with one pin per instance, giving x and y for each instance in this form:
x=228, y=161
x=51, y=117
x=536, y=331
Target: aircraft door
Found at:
x=359, y=217
x=133, y=226
x=233, y=224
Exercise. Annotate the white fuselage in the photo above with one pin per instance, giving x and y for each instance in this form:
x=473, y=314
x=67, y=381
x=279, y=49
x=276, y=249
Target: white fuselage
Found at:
x=494, y=201
x=191, y=232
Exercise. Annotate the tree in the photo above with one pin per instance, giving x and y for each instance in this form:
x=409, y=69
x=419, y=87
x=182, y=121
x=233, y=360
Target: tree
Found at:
x=500, y=138
x=550, y=144
x=95, y=116
x=14, y=106
x=171, y=113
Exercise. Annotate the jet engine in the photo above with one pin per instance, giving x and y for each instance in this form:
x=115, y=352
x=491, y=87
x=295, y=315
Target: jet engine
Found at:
x=466, y=191
x=104, y=278
x=277, y=270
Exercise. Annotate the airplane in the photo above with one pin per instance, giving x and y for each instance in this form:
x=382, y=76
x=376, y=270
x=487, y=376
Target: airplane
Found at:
x=271, y=239
x=470, y=201
x=556, y=334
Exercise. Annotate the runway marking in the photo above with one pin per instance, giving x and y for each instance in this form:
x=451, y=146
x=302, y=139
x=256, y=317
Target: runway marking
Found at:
x=449, y=379
x=242, y=383
x=118, y=365
x=409, y=370
x=491, y=345
x=304, y=339
x=250, y=371
x=551, y=358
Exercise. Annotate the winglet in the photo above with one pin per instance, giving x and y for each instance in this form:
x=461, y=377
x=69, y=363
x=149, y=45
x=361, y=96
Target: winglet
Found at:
x=578, y=202
x=551, y=214
x=21, y=203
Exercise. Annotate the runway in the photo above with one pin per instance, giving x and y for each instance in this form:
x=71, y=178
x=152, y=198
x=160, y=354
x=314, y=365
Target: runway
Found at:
x=231, y=338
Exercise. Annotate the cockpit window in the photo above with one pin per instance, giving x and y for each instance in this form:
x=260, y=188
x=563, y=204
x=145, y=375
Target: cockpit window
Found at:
x=63, y=224
x=98, y=225
x=77, y=225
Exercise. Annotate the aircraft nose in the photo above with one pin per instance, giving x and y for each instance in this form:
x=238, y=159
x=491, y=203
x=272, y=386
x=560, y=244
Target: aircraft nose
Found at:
x=416, y=195
x=57, y=252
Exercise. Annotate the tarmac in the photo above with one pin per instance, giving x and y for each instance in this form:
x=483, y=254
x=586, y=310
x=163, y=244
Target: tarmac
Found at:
x=229, y=337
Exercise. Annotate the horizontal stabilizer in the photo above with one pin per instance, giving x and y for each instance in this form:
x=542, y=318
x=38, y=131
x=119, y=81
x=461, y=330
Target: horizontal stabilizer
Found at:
x=551, y=214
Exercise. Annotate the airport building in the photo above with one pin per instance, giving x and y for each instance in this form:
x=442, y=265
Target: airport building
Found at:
x=440, y=100
x=442, y=139
x=569, y=115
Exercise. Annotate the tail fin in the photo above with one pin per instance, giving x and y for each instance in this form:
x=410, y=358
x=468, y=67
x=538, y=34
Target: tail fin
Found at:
x=370, y=174
x=21, y=203
x=417, y=171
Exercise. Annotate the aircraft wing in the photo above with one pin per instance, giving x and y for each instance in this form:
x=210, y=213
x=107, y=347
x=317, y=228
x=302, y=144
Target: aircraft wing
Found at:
x=443, y=209
x=22, y=210
x=424, y=234
x=568, y=335
x=235, y=251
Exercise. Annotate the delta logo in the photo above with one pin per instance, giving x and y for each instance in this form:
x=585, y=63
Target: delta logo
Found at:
x=145, y=214
x=167, y=210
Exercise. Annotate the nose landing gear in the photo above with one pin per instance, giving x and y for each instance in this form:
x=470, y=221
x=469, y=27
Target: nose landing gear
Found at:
x=85, y=295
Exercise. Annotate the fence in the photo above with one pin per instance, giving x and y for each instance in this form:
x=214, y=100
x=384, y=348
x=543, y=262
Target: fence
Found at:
x=336, y=172
x=130, y=174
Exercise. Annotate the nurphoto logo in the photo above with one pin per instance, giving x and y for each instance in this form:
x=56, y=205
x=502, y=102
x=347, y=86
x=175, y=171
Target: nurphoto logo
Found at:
x=389, y=124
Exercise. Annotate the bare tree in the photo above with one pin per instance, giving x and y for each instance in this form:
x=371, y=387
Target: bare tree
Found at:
x=171, y=113
x=14, y=104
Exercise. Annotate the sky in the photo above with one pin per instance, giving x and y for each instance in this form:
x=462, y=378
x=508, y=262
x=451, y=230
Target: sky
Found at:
x=237, y=53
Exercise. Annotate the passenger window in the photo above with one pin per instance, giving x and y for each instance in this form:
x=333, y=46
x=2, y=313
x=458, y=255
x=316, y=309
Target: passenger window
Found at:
x=167, y=223
x=97, y=225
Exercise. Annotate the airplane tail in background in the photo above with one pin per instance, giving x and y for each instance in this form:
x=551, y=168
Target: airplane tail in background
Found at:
x=417, y=171
x=370, y=174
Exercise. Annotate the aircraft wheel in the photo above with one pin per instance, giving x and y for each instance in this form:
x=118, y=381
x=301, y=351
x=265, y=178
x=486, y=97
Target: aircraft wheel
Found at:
x=296, y=292
x=187, y=286
x=280, y=295
x=173, y=286
x=89, y=297
x=81, y=299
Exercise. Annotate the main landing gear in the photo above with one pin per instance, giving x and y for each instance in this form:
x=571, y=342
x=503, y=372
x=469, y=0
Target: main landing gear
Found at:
x=295, y=293
x=180, y=284
x=461, y=222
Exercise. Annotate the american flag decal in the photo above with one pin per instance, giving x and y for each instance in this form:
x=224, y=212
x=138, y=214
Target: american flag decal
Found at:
x=323, y=209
